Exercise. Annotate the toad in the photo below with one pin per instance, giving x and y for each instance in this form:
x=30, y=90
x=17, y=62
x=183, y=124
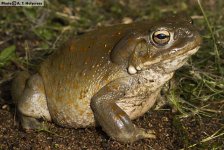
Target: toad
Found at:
x=106, y=77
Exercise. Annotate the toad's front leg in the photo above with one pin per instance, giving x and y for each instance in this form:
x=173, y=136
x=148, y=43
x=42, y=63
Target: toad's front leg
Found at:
x=114, y=121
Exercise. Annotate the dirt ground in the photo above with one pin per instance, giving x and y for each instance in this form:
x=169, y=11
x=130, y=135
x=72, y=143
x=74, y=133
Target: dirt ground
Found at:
x=171, y=134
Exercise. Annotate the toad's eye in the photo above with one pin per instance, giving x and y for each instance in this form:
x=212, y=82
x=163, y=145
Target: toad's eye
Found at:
x=161, y=37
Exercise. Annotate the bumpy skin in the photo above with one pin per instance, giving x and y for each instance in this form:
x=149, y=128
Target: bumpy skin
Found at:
x=108, y=76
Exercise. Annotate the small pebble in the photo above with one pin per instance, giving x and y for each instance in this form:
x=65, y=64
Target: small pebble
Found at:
x=127, y=20
x=150, y=125
x=4, y=106
x=165, y=119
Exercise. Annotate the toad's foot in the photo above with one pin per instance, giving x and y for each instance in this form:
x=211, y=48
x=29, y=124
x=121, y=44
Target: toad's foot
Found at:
x=30, y=123
x=142, y=134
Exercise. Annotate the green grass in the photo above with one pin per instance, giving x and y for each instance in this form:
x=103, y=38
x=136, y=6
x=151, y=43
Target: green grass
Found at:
x=201, y=83
x=6, y=55
x=216, y=51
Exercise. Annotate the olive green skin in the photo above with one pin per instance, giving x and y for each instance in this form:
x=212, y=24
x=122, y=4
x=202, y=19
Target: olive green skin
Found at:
x=91, y=78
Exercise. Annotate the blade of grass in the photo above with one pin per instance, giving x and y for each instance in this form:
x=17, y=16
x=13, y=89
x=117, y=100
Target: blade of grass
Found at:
x=217, y=134
x=216, y=51
x=6, y=54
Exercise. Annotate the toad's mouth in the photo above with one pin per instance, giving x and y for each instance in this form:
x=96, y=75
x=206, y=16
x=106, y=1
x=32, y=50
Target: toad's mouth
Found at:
x=164, y=60
x=193, y=51
x=161, y=60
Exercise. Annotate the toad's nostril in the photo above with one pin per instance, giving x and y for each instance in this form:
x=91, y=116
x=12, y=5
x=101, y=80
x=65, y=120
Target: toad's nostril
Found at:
x=188, y=32
x=182, y=33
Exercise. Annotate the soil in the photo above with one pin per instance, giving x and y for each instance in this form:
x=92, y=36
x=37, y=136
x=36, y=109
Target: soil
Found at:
x=171, y=133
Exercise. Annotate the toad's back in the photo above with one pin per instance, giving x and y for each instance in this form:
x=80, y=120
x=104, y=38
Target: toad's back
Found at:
x=77, y=71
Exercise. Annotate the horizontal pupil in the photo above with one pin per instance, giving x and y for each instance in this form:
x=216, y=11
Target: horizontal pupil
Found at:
x=161, y=36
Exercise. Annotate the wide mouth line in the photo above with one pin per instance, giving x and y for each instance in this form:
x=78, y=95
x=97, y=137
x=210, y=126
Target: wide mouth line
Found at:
x=191, y=52
x=184, y=52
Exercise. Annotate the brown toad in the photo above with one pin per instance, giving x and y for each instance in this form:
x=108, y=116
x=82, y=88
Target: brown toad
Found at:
x=110, y=76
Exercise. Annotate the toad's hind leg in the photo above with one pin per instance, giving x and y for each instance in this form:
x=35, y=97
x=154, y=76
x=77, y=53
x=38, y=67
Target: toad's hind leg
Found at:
x=31, y=102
